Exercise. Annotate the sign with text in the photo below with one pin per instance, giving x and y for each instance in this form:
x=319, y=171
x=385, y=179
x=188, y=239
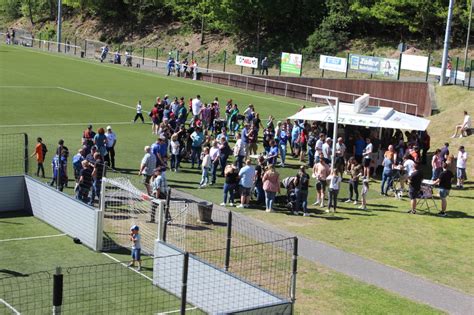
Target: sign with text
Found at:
x=244, y=61
x=414, y=63
x=374, y=65
x=436, y=71
x=291, y=63
x=332, y=63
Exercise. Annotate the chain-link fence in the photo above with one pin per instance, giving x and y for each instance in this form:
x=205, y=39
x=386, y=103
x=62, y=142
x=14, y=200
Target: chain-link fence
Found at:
x=14, y=154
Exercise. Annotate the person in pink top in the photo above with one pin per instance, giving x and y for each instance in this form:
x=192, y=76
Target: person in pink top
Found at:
x=271, y=185
x=321, y=171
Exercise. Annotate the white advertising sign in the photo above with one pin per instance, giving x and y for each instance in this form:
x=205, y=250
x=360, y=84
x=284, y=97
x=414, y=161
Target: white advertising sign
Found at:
x=414, y=63
x=332, y=63
x=437, y=71
x=244, y=61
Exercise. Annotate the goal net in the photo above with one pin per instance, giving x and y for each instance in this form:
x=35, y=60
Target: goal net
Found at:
x=124, y=205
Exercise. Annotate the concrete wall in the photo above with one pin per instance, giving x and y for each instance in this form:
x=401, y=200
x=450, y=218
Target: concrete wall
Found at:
x=12, y=193
x=65, y=213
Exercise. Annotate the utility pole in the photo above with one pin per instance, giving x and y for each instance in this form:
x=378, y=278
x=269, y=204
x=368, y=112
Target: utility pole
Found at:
x=59, y=25
x=468, y=34
x=446, y=43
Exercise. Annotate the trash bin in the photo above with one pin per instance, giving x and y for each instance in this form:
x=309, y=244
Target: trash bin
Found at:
x=83, y=54
x=205, y=212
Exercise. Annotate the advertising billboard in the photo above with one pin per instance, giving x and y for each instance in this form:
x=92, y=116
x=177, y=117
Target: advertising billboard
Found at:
x=291, y=63
x=245, y=61
x=374, y=65
x=332, y=63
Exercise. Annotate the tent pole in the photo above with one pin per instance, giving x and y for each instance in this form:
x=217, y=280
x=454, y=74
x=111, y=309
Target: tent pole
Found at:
x=334, y=134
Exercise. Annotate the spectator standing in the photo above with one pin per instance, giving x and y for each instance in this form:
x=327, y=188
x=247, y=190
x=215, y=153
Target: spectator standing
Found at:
x=159, y=190
x=301, y=191
x=111, y=142
x=85, y=182
x=139, y=113
x=355, y=171
x=258, y=180
x=311, y=148
x=252, y=138
x=230, y=184
x=271, y=185
x=206, y=164
x=444, y=183
x=327, y=150
x=387, y=176
x=155, y=118
x=416, y=178
x=273, y=153
x=359, y=147
x=334, y=185
x=461, y=163
x=135, y=238
x=77, y=164
x=264, y=66
x=214, y=154
x=365, y=190
x=340, y=153
x=320, y=172
x=88, y=137
x=197, y=138
x=97, y=174
x=367, y=154
x=100, y=141
x=436, y=164
x=224, y=152
x=247, y=175
x=196, y=106
x=40, y=152
x=282, y=141
x=175, y=152
x=147, y=167
x=319, y=146
x=239, y=151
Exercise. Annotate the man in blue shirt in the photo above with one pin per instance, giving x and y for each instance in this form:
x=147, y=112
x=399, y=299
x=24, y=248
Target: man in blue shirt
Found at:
x=197, y=138
x=247, y=175
x=273, y=154
x=159, y=150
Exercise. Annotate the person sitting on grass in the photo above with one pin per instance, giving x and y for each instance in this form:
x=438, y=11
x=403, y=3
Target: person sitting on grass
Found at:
x=444, y=183
x=463, y=127
x=135, y=238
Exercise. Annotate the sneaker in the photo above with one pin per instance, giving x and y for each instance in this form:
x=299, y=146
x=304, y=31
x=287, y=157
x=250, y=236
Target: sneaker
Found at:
x=139, y=269
x=348, y=200
x=240, y=206
x=321, y=204
x=361, y=207
x=306, y=215
x=355, y=202
x=442, y=214
x=268, y=210
x=232, y=204
x=453, y=136
x=327, y=211
x=317, y=202
x=223, y=204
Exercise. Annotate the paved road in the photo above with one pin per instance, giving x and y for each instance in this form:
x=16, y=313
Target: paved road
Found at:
x=391, y=279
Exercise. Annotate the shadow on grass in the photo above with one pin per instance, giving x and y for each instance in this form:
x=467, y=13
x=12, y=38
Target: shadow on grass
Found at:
x=13, y=214
x=458, y=215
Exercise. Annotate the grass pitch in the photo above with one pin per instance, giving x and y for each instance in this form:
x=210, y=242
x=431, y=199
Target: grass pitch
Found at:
x=56, y=97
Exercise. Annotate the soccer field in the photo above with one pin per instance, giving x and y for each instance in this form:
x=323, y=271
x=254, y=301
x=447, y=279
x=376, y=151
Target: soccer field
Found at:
x=55, y=96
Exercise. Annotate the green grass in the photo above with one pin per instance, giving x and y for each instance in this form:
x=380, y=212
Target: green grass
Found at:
x=88, y=275
x=432, y=247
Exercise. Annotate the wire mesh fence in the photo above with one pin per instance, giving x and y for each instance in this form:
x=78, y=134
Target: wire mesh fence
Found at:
x=14, y=154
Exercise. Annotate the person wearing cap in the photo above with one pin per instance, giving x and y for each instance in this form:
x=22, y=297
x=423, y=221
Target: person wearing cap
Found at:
x=88, y=136
x=111, y=142
x=135, y=238
x=147, y=167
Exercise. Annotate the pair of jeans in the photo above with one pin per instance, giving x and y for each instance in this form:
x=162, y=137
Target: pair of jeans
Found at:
x=354, y=189
x=310, y=157
x=387, y=178
x=214, y=166
x=260, y=193
x=301, y=200
x=205, y=176
x=223, y=163
x=175, y=159
x=229, y=189
x=436, y=172
x=40, y=169
x=269, y=199
x=282, y=152
x=95, y=190
x=333, y=198
x=240, y=161
x=196, y=156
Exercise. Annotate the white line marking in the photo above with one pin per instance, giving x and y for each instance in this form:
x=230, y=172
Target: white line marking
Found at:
x=95, y=97
x=31, y=238
x=70, y=124
x=177, y=311
x=26, y=87
x=10, y=307
x=158, y=76
x=125, y=265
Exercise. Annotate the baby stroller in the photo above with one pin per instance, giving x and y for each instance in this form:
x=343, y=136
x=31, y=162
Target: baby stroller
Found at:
x=290, y=199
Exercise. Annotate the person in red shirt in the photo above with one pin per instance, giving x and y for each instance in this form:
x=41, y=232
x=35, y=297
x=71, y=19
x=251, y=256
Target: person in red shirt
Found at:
x=40, y=151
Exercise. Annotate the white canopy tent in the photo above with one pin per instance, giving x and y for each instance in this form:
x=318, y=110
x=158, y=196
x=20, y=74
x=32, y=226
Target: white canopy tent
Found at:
x=370, y=116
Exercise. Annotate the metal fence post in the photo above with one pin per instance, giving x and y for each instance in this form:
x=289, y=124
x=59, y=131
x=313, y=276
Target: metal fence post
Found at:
x=75, y=45
x=85, y=48
x=470, y=75
x=143, y=55
x=428, y=68
x=456, y=71
x=26, y=157
x=57, y=291
x=192, y=55
x=229, y=241
x=177, y=55
x=184, y=284
x=399, y=66
x=48, y=42
x=208, y=57
x=39, y=41
x=347, y=65
x=225, y=59
x=294, y=271
x=156, y=57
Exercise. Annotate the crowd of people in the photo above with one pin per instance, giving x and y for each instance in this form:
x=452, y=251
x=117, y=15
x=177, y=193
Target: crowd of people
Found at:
x=246, y=151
